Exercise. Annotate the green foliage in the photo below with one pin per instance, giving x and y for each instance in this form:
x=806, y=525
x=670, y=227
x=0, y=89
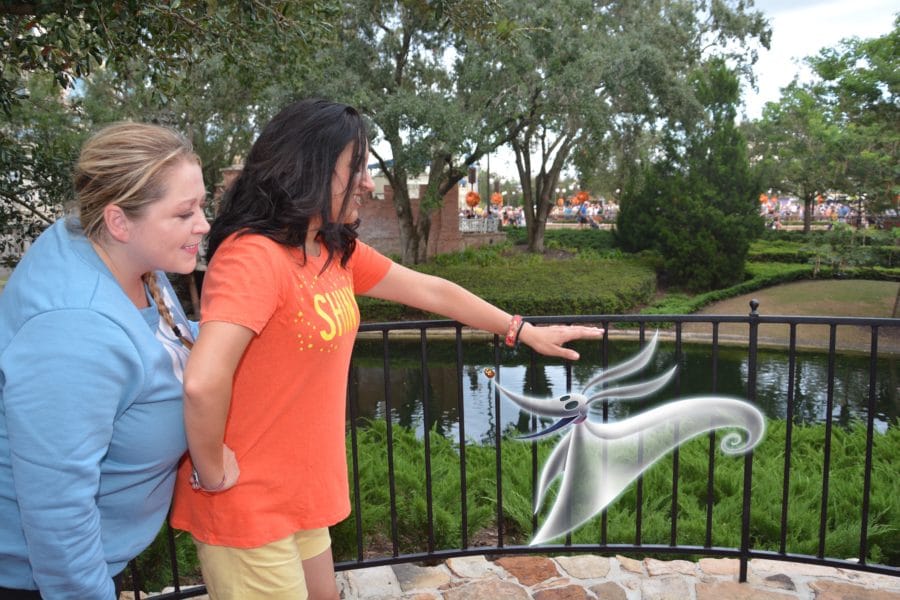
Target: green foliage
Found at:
x=760, y=275
x=211, y=70
x=804, y=500
x=155, y=565
x=804, y=497
x=601, y=241
x=696, y=207
x=840, y=131
x=70, y=40
x=532, y=284
x=859, y=247
x=39, y=142
x=856, y=86
x=844, y=247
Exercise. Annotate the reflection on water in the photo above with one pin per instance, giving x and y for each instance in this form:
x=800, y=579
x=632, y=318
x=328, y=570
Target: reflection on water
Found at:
x=696, y=375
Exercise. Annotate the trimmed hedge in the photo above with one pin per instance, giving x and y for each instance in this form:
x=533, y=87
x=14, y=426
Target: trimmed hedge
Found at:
x=841, y=244
x=599, y=279
x=598, y=240
x=532, y=284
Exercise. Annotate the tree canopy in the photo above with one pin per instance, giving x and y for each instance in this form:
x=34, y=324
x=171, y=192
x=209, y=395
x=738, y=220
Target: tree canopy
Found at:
x=620, y=74
x=612, y=88
x=70, y=65
x=840, y=131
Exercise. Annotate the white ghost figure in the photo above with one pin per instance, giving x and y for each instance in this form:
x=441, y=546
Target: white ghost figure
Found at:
x=597, y=461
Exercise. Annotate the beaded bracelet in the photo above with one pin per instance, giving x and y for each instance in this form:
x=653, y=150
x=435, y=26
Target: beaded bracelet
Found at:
x=512, y=334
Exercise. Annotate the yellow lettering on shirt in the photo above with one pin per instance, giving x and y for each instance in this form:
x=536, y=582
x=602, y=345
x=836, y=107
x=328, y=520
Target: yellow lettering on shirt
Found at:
x=338, y=309
x=330, y=332
x=349, y=302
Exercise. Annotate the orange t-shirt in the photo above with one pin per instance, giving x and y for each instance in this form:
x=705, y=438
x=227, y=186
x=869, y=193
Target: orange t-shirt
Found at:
x=286, y=424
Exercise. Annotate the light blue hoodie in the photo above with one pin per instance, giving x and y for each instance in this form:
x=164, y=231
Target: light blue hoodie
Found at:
x=91, y=425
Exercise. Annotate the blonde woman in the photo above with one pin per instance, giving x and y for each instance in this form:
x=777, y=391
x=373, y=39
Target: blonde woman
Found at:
x=93, y=345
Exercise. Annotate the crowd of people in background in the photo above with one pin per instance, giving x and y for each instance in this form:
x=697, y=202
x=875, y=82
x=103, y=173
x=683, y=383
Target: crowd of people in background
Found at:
x=778, y=211
x=510, y=216
x=586, y=214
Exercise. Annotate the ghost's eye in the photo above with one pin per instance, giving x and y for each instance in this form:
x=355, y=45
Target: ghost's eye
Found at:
x=564, y=398
x=571, y=405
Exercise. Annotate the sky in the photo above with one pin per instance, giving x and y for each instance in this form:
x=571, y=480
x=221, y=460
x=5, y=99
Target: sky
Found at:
x=800, y=28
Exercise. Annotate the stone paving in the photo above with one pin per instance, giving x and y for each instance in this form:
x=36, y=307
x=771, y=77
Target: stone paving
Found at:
x=619, y=578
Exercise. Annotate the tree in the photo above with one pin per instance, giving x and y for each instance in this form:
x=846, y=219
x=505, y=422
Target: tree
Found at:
x=38, y=145
x=841, y=131
x=696, y=206
x=860, y=89
x=405, y=66
x=191, y=64
x=72, y=38
x=798, y=147
x=219, y=105
x=618, y=75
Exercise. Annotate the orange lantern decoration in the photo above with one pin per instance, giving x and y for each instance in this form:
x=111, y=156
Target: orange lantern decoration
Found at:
x=763, y=198
x=497, y=198
x=560, y=201
x=582, y=197
x=472, y=199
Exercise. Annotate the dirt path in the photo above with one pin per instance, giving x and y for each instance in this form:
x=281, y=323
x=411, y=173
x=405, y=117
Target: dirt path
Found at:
x=851, y=298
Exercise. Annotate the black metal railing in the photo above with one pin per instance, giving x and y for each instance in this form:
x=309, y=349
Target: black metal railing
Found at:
x=883, y=341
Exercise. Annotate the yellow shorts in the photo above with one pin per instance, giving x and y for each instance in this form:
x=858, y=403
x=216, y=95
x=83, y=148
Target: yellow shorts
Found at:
x=271, y=572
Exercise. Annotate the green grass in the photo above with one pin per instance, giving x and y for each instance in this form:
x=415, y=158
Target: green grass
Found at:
x=804, y=498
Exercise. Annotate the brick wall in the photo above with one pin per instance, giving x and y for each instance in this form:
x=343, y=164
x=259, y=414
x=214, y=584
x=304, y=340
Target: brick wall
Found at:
x=379, y=226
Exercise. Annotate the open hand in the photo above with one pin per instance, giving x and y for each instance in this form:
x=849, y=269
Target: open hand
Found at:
x=549, y=340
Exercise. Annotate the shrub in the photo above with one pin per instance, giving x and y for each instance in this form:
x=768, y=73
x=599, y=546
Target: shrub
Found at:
x=532, y=284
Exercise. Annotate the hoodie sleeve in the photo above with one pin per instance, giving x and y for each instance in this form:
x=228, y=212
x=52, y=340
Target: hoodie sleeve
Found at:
x=68, y=373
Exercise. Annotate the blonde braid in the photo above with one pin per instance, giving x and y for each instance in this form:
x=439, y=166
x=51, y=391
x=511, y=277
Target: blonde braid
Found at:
x=149, y=278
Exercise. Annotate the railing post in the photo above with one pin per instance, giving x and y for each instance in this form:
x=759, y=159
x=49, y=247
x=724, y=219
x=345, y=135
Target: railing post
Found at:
x=748, y=458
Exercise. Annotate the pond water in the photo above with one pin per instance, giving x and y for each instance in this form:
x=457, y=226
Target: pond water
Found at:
x=545, y=378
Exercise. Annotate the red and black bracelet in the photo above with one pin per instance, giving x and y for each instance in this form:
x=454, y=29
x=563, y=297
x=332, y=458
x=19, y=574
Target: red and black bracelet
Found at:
x=515, y=328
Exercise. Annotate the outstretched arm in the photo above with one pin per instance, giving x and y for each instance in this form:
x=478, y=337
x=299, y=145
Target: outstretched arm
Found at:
x=443, y=297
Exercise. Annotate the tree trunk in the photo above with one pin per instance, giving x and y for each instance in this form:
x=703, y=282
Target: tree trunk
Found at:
x=807, y=212
x=409, y=235
x=423, y=231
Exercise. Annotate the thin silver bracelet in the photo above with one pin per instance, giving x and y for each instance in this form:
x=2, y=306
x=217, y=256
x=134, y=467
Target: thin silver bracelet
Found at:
x=195, y=482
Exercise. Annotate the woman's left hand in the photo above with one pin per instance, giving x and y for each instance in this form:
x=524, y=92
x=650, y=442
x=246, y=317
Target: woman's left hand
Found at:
x=549, y=340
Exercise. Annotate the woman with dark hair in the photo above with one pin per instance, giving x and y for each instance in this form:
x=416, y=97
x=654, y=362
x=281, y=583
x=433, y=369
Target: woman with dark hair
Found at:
x=268, y=376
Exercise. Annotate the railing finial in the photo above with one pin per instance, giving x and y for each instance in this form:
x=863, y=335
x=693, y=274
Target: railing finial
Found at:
x=754, y=304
